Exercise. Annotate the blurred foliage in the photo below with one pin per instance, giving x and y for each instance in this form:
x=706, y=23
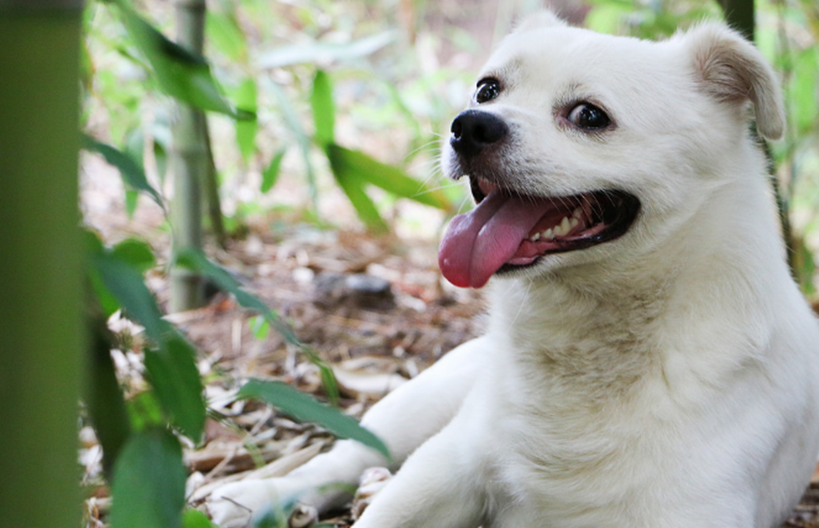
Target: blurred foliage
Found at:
x=278, y=71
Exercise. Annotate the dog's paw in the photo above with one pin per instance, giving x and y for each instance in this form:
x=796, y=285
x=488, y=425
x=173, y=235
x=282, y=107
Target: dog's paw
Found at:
x=372, y=481
x=233, y=505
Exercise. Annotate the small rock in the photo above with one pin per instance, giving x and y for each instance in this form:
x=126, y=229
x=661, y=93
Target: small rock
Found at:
x=360, y=289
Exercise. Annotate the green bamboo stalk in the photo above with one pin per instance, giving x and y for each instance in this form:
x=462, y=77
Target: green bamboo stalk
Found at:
x=740, y=15
x=189, y=161
x=212, y=199
x=41, y=263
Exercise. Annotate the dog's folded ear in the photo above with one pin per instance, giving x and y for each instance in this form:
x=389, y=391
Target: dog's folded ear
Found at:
x=731, y=69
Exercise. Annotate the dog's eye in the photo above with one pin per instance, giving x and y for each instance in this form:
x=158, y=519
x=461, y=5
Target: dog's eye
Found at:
x=588, y=116
x=488, y=89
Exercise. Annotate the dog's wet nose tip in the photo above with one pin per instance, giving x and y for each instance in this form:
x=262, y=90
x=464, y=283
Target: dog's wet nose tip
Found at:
x=473, y=130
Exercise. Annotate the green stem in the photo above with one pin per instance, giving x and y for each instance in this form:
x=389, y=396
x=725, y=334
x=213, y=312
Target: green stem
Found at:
x=212, y=191
x=41, y=263
x=740, y=15
x=189, y=168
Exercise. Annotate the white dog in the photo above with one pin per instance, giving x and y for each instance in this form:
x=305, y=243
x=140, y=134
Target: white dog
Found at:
x=649, y=361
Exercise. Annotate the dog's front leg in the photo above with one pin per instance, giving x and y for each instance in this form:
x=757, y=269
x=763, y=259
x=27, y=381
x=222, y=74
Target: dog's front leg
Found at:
x=404, y=420
x=440, y=485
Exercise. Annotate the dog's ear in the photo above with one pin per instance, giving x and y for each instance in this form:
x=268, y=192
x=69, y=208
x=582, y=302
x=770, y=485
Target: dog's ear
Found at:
x=734, y=71
x=542, y=19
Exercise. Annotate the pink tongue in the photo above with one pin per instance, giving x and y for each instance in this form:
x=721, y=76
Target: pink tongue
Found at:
x=478, y=243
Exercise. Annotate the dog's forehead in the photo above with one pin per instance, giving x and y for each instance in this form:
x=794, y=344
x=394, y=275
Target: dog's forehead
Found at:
x=546, y=54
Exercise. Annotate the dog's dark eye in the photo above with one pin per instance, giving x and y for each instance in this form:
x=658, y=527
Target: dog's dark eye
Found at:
x=488, y=89
x=588, y=116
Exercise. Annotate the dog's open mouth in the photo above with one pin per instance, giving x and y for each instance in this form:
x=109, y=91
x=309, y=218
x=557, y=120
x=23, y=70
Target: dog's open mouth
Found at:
x=508, y=231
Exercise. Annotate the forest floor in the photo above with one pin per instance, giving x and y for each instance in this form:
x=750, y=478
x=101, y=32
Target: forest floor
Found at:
x=375, y=308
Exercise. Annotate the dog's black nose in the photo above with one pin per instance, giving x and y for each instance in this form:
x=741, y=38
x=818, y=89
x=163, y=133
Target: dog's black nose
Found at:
x=472, y=130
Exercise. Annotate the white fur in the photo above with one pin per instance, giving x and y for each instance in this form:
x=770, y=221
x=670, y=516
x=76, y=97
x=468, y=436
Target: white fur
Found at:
x=663, y=379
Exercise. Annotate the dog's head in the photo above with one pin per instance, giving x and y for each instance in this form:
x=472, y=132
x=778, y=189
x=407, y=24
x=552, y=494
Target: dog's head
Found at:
x=581, y=147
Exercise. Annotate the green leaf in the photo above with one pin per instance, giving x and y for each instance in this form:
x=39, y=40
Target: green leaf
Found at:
x=195, y=260
x=175, y=378
x=196, y=519
x=259, y=327
x=171, y=368
x=125, y=283
x=131, y=202
x=224, y=32
x=161, y=156
x=136, y=253
x=181, y=74
x=271, y=174
x=131, y=171
x=106, y=406
x=149, y=482
x=292, y=122
x=245, y=97
x=324, y=112
x=352, y=185
x=325, y=54
x=803, y=90
x=145, y=411
x=106, y=299
x=303, y=407
x=356, y=165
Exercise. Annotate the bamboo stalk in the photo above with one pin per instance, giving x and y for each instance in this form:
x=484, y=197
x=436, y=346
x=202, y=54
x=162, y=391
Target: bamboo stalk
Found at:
x=41, y=263
x=212, y=199
x=189, y=162
x=740, y=15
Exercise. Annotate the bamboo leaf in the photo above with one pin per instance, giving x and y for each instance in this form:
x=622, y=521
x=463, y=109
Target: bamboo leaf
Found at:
x=325, y=54
x=136, y=253
x=226, y=35
x=196, y=519
x=324, y=112
x=292, y=122
x=181, y=74
x=197, y=261
x=361, y=167
x=131, y=202
x=803, y=90
x=125, y=283
x=106, y=299
x=246, y=97
x=145, y=411
x=149, y=482
x=106, y=406
x=131, y=171
x=304, y=407
x=352, y=185
x=175, y=378
x=271, y=174
x=172, y=367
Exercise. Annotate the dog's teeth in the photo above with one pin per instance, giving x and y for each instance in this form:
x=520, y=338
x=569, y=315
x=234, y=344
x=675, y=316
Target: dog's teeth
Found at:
x=535, y=237
x=563, y=228
x=549, y=233
x=574, y=222
x=577, y=212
